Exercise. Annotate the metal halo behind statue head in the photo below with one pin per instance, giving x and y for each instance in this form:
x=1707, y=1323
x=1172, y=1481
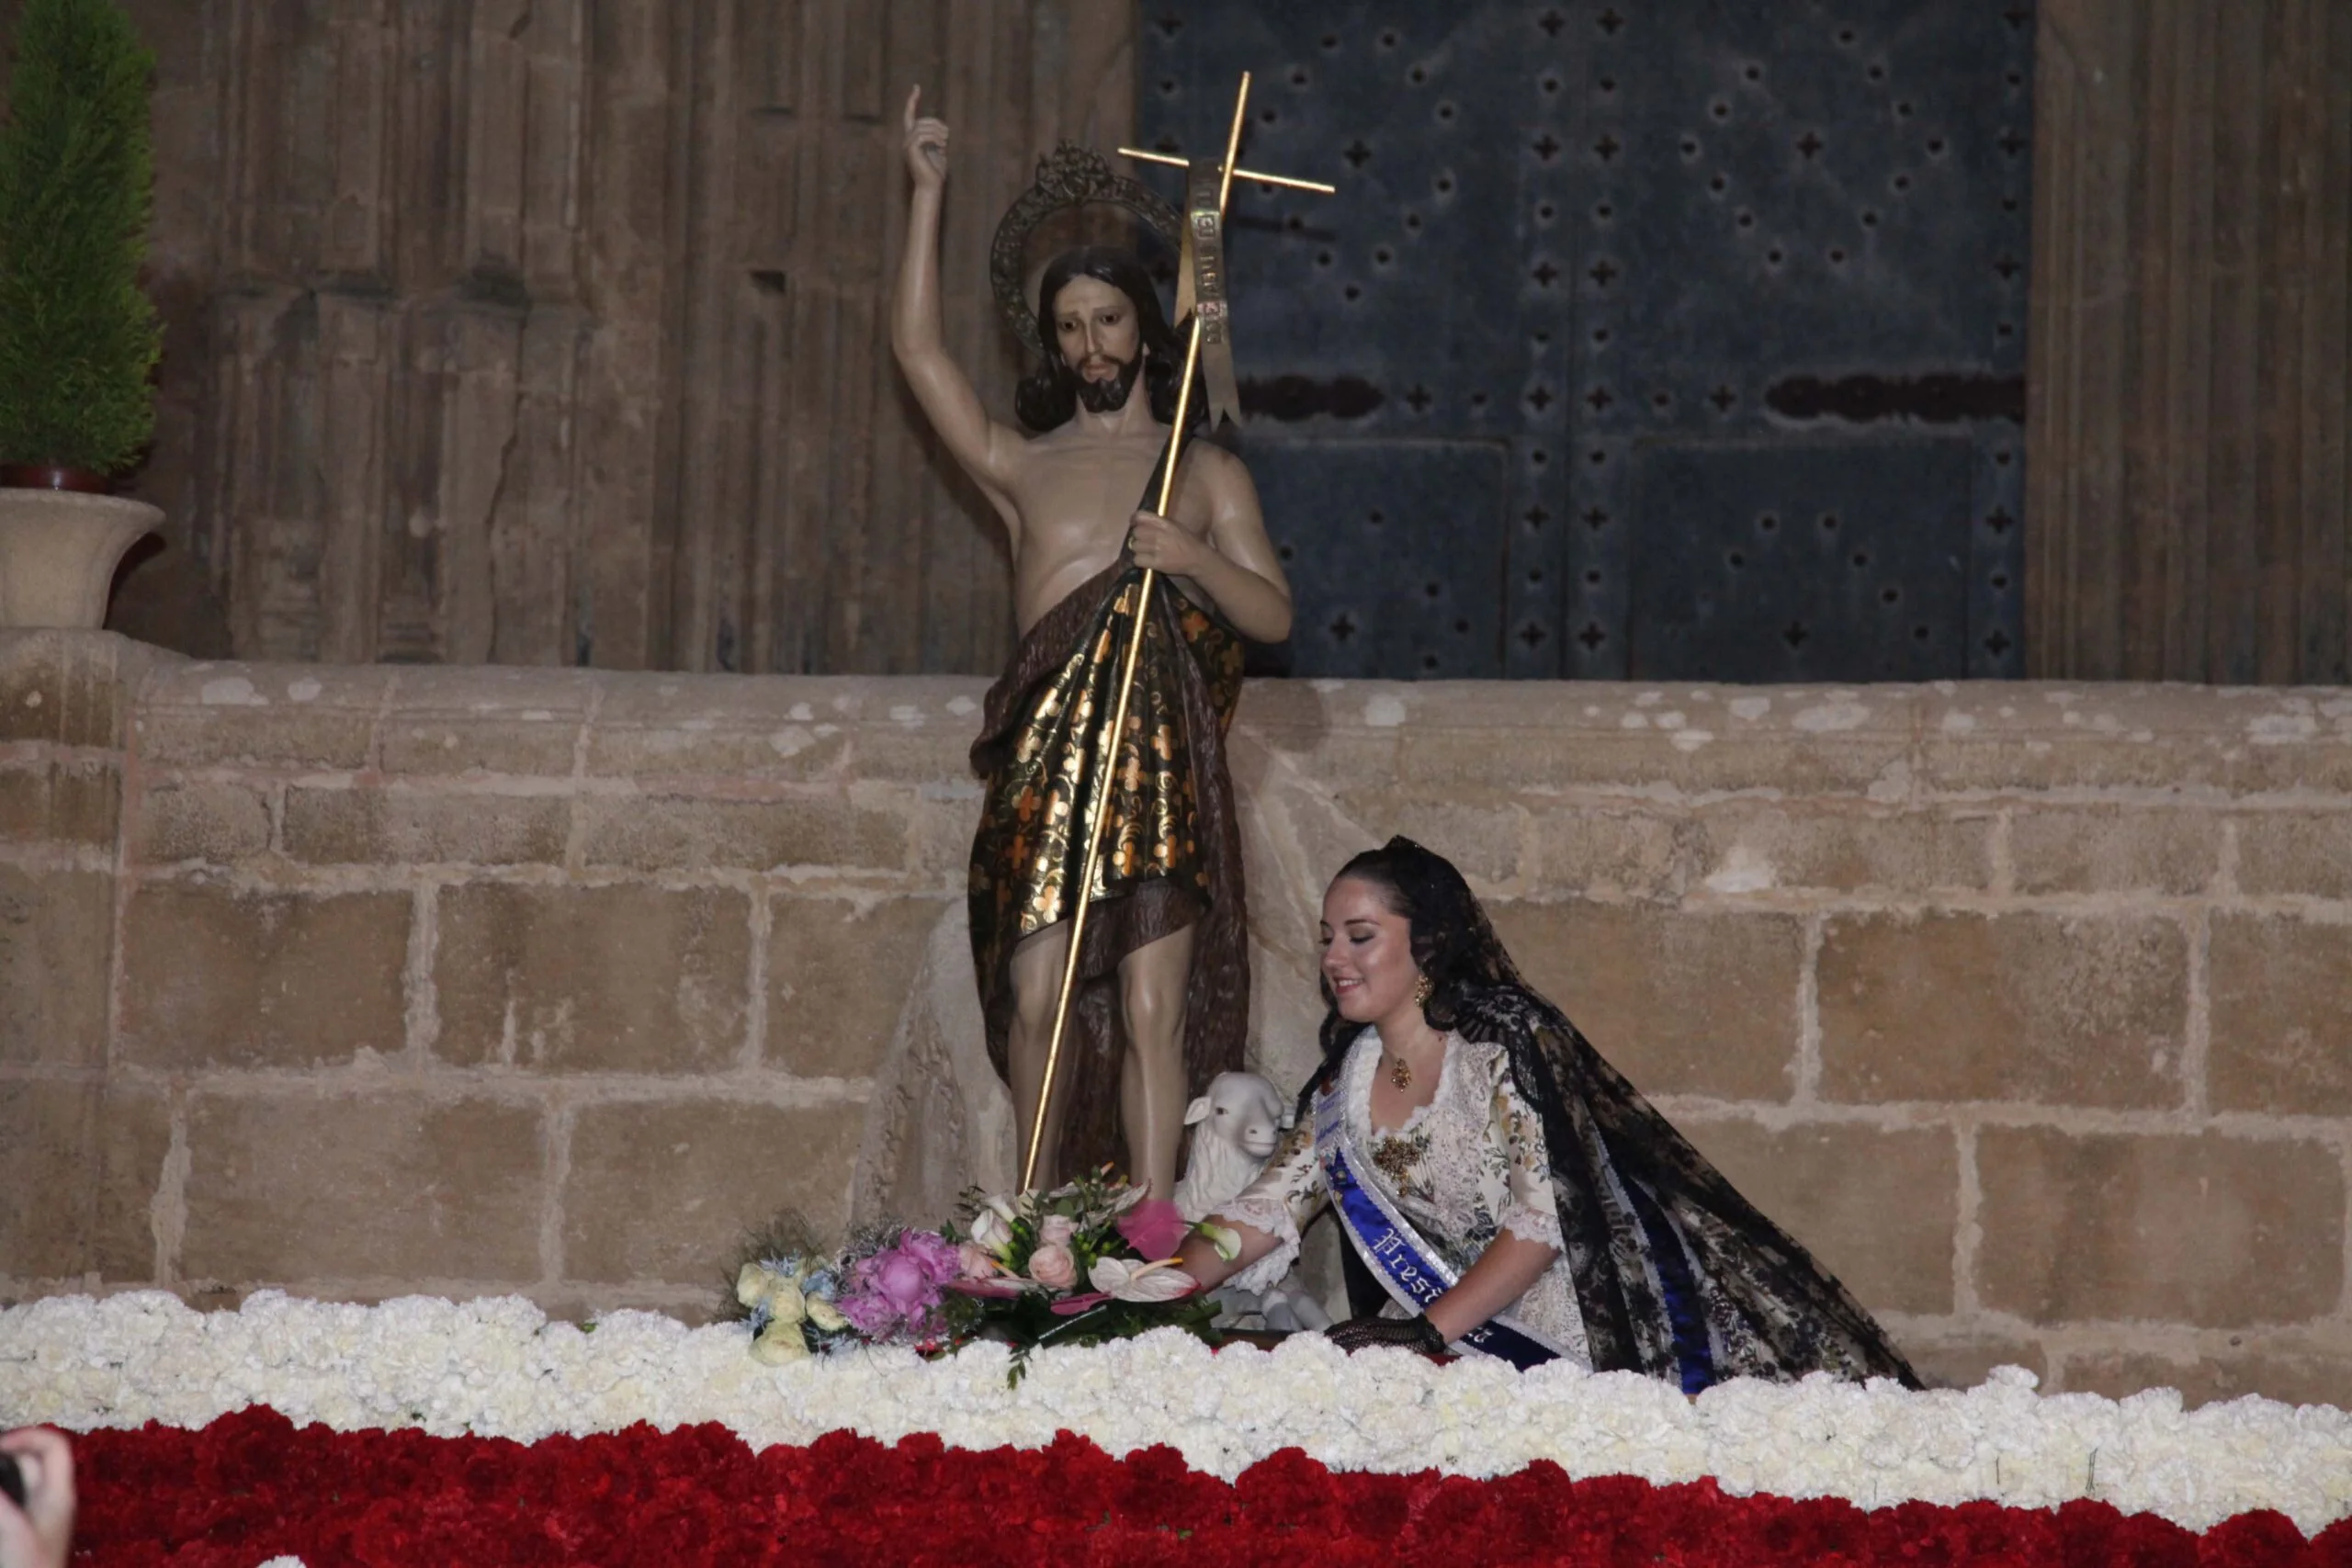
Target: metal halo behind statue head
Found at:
x=1069, y=176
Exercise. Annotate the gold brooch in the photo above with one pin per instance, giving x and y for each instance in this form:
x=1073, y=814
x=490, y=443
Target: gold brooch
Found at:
x=1396, y=1157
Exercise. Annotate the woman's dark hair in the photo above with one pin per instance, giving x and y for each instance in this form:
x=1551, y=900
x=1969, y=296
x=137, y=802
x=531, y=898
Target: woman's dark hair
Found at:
x=1048, y=398
x=1454, y=944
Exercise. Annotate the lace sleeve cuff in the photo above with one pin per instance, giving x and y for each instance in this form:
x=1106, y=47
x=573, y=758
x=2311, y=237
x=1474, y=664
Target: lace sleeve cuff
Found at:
x=1531, y=1223
x=1269, y=1213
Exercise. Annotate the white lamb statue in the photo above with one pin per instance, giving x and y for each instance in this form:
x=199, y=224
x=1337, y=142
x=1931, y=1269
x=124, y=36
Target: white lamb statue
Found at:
x=1234, y=1128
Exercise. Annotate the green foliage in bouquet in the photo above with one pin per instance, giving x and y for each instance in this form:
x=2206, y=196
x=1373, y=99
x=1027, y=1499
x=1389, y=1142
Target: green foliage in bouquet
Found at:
x=78, y=337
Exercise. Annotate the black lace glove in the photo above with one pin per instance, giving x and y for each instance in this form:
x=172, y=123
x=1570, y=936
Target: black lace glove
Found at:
x=1410, y=1333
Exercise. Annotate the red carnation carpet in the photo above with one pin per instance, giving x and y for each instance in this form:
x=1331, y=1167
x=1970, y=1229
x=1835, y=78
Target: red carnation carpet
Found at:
x=252, y=1487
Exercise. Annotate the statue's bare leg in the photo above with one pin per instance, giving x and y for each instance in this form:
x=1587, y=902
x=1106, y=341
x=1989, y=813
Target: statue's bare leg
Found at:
x=1152, y=1080
x=1037, y=987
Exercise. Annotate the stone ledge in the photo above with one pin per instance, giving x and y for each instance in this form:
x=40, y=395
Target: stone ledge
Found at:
x=1961, y=740
x=73, y=688
x=1893, y=744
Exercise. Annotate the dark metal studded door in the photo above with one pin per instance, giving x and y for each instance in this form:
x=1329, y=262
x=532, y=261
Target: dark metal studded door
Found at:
x=1670, y=340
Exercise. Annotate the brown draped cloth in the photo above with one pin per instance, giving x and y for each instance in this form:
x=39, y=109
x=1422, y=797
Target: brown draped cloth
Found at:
x=1172, y=850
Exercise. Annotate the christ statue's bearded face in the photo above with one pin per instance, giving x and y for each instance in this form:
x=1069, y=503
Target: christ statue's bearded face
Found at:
x=1095, y=328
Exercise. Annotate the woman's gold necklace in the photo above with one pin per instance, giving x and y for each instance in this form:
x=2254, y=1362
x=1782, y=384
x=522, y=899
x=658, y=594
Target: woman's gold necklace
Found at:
x=1400, y=1073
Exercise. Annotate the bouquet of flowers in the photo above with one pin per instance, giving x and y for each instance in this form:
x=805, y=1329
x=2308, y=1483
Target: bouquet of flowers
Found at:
x=789, y=1303
x=1077, y=1265
x=883, y=1289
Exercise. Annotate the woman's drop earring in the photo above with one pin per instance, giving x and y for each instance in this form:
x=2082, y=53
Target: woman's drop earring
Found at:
x=1399, y=1073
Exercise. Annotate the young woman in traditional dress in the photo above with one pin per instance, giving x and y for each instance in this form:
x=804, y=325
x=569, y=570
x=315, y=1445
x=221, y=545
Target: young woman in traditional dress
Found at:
x=1501, y=1188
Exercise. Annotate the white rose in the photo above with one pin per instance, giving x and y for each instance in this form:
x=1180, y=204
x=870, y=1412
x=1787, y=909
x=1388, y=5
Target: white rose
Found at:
x=780, y=1344
x=751, y=1284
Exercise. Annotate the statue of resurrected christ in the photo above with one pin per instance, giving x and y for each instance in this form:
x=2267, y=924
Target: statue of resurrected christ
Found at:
x=1161, y=1004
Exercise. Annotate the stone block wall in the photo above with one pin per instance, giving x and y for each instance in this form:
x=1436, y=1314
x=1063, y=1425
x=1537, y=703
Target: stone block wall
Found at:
x=2025, y=1006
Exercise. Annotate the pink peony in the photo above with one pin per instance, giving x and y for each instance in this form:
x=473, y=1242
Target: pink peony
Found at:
x=1154, y=1229
x=1053, y=1267
x=900, y=1281
x=939, y=1257
x=868, y=1314
x=896, y=1290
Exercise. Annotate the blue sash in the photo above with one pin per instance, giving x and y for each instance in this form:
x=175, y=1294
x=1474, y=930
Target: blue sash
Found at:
x=1405, y=1264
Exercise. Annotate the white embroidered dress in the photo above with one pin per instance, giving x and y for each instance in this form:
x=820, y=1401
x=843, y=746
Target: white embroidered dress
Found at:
x=1463, y=1168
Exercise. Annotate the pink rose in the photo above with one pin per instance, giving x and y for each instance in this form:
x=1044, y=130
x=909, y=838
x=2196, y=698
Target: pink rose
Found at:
x=1055, y=1230
x=1052, y=1267
x=974, y=1261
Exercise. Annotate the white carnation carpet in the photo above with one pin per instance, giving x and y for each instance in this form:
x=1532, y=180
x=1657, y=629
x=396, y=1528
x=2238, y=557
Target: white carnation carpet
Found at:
x=499, y=1368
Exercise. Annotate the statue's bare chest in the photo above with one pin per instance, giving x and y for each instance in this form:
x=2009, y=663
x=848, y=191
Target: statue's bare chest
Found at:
x=1077, y=499
x=1084, y=491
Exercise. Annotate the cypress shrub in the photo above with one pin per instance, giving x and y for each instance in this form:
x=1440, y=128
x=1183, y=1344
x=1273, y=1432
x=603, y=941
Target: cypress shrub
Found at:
x=78, y=337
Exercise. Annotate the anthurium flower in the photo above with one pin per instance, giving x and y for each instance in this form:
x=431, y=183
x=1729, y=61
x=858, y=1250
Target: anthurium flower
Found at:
x=1227, y=1242
x=991, y=1228
x=1125, y=1280
x=1155, y=1228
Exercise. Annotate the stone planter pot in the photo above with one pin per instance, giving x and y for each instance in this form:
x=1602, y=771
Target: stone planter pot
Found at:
x=58, y=552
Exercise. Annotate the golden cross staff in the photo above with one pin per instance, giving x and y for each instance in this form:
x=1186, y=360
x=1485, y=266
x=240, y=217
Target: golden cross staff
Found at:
x=1204, y=285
